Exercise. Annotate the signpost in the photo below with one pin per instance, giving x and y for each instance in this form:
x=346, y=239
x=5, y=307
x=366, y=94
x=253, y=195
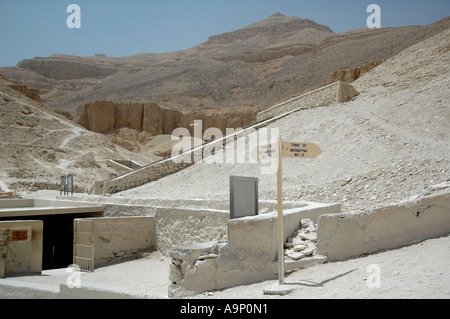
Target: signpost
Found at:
x=280, y=150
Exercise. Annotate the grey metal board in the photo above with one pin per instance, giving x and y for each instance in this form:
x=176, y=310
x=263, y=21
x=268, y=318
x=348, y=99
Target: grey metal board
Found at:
x=243, y=196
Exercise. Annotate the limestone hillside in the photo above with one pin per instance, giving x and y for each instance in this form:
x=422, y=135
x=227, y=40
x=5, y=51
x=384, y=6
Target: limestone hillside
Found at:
x=389, y=144
x=38, y=145
x=254, y=67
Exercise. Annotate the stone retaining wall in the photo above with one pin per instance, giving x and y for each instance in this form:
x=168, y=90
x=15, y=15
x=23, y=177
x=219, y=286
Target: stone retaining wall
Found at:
x=142, y=176
x=337, y=92
x=118, y=239
x=347, y=235
x=249, y=255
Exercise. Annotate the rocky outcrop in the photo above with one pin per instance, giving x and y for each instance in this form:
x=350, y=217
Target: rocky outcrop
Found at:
x=105, y=116
x=67, y=67
x=350, y=75
x=25, y=90
x=275, y=24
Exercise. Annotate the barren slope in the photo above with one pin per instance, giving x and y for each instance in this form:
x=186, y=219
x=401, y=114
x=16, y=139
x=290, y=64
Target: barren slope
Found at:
x=392, y=143
x=37, y=146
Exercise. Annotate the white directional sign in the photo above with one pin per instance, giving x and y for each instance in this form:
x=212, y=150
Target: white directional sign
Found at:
x=265, y=152
x=288, y=150
x=268, y=151
x=300, y=150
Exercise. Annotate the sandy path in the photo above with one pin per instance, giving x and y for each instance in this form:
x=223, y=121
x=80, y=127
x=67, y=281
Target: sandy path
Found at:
x=417, y=271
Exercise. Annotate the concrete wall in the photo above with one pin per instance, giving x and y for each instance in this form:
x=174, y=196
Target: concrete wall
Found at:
x=198, y=221
x=121, y=168
x=179, y=227
x=247, y=257
x=337, y=92
x=36, y=207
x=42, y=203
x=142, y=176
x=118, y=239
x=20, y=254
x=347, y=235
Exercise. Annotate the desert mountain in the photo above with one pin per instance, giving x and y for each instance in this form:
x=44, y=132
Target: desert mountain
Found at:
x=254, y=67
x=389, y=144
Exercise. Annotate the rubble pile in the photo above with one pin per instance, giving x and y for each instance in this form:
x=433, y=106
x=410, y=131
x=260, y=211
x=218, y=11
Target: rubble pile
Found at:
x=302, y=242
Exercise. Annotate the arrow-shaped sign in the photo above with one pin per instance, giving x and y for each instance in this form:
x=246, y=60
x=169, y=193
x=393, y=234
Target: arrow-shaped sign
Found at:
x=300, y=150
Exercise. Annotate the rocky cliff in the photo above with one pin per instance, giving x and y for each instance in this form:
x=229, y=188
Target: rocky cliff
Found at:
x=349, y=75
x=104, y=116
x=66, y=67
x=37, y=146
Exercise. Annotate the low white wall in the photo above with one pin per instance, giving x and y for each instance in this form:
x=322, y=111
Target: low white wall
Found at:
x=198, y=221
x=179, y=227
x=118, y=239
x=16, y=203
x=247, y=257
x=21, y=255
x=333, y=93
x=347, y=235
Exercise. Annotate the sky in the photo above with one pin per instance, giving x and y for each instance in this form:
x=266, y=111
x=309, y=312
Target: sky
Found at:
x=30, y=28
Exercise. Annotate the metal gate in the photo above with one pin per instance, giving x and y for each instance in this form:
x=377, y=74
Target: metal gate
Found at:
x=83, y=244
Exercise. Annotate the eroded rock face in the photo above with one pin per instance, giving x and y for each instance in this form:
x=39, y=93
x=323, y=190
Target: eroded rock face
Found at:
x=105, y=116
x=350, y=75
x=66, y=67
x=25, y=90
x=101, y=116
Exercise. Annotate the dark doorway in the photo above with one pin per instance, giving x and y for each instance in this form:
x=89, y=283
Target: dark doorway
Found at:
x=57, y=250
x=57, y=245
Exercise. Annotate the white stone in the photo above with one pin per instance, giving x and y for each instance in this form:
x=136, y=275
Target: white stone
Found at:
x=306, y=222
x=297, y=255
x=298, y=248
x=310, y=236
x=288, y=251
x=278, y=289
x=308, y=251
x=209, y=256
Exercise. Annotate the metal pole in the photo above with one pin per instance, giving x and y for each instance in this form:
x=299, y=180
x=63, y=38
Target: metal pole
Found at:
x=280, y=213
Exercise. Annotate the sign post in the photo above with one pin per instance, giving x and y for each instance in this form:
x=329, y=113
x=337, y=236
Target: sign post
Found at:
x=280, y=213
x=282, y=150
